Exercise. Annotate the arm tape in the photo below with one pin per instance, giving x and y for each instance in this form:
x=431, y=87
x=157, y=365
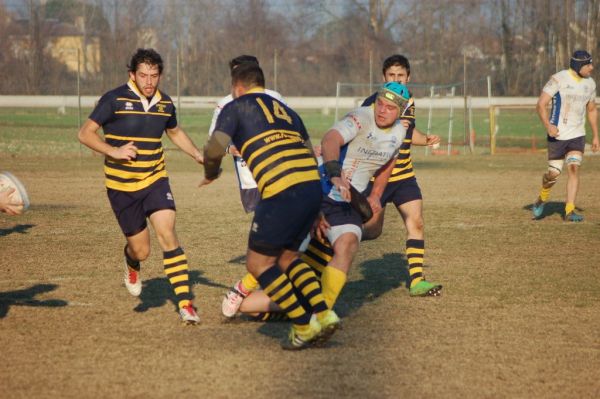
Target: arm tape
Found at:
x=333, y=169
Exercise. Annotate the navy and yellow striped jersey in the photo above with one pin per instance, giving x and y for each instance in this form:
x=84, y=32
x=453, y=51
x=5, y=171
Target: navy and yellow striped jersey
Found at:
x=403, y=169
x=270, y=136
x=126, y=115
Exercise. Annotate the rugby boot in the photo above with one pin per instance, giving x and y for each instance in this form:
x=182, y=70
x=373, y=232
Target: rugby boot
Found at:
x=538, y=209
x=573, y=217
x=297, y=340
x=233, y=300
x=329, y=324
x=188, y=315
x=132, y=280
x=425, y=288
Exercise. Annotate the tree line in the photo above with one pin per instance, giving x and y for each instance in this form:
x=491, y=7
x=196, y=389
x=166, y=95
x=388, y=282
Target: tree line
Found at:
x=304, y=46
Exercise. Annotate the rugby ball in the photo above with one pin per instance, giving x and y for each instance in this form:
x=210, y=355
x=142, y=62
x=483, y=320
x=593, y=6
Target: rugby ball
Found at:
x=8, y=181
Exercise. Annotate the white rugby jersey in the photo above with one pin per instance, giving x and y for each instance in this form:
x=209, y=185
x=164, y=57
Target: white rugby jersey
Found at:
x=570, y=94
x=366, y=148
x=245, y=179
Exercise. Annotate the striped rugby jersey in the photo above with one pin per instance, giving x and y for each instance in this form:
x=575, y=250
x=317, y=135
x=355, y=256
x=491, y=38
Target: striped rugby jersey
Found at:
x=127, y=115
x=270, y=136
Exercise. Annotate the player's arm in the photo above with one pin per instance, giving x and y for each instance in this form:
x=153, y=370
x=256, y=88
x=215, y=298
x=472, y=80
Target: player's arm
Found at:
x=542, y=111
x=592, y=114
x=380, y=182
x=214, y=150
x=330, y=151
x=183, y=141
x=88, y=136
x=420, y=138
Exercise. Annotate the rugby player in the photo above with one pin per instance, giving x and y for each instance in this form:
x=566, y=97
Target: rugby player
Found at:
x=133, y=117
x=573, y=94
x=274, y=143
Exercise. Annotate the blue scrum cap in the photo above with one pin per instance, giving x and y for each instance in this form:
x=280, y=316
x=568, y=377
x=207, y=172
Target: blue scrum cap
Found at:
x=579, y=59
x=396, y=93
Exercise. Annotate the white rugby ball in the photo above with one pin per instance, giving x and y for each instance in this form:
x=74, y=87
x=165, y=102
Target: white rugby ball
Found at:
x=8, y=181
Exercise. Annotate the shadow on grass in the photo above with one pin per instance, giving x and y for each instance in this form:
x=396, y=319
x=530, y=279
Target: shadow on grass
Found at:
x=18, y=229
x=26, y=297
x=157, y=292
x=552, y=208
x=379, y=277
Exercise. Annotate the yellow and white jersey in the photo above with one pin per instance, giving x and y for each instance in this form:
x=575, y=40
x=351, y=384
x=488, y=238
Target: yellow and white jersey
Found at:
x=570, y=95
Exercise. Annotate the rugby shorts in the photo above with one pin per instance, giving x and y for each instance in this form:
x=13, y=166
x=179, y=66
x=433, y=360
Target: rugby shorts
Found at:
x=558, y=149
x=132, y=208
x=283, y=221
x=399, y=192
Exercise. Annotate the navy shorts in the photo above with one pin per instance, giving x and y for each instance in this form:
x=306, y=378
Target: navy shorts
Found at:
x=283, y=221
x=399, y=192
x=132, y=208
x=340, y=213
x=558, y=149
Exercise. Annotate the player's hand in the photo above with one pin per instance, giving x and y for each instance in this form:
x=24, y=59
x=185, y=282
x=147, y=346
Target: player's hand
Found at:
x=7, y=205
x=405, y=123
x=433, y=139
x=199, y=157
x=317, y=150
x=375, y=203
x=126, y=152
x=320, y=227
x=233, y=151
x=595, y=145
x=342, y=185
x=205, y=182
x=552, y=131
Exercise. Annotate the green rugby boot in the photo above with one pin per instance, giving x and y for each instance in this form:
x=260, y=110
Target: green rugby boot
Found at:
x=573, y=217
x=298, y=341
x=425, y=288
x=538, y=209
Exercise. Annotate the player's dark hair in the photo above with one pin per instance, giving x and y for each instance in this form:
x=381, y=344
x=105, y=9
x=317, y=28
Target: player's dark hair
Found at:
x=248, y=75
x=145, y=56
x=242, y=59
x=396, y=60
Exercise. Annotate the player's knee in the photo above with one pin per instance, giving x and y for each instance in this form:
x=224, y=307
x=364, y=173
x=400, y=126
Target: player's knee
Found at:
x=346, y=246
x=140, y=253
x=554, y=170
x=573, y=162
x=415, y=225
x=167, y=240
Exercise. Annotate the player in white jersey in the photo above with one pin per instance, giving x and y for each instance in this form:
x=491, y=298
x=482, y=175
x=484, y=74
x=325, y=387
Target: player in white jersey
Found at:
x=573, y=94
x=248, y=189
x=363, y=144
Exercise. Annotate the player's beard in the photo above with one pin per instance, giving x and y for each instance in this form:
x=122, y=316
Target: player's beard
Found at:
x=144, y=91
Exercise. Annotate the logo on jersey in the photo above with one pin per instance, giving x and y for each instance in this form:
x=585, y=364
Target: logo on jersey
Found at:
x=169, y=196
x=371, y=137
x=128, y=106
x=160, y=107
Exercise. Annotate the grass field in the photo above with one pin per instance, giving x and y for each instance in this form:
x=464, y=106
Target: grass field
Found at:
x=25, y=130
x=518, y=316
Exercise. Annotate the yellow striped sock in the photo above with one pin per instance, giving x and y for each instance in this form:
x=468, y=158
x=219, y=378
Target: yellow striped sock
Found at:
x=176, y=269
x=415, y=252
